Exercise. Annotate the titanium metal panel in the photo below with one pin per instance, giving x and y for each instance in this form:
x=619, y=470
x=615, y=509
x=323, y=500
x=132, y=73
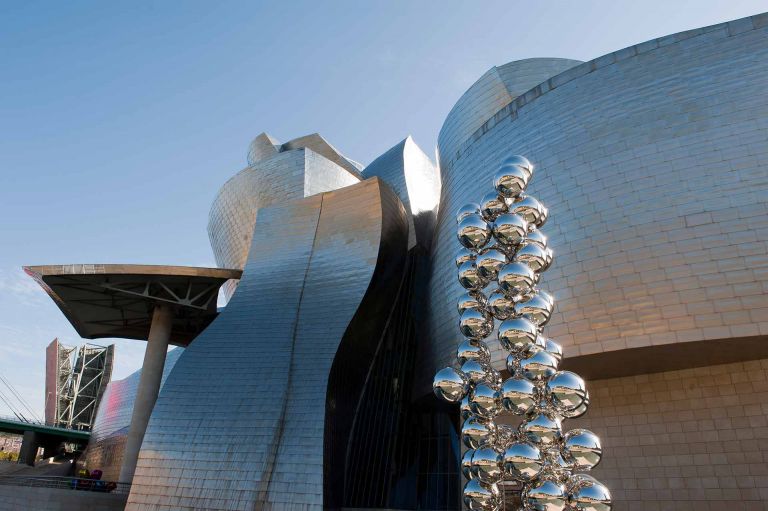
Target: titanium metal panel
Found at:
x=239, y=424
x=498, y=87
x=113, y=417
x=653, y=161
x=414, y=178
x=280, y=176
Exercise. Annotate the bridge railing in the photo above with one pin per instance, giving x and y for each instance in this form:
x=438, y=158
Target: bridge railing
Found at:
x=67, y=483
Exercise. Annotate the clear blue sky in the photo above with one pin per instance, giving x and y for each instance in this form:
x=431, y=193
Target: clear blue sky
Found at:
x=120, y=120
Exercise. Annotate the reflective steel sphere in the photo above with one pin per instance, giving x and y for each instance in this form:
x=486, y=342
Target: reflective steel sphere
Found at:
x=473, y=232
x=489, y=262
x=466, y=464
x=518, y=395
x=522, y=461
x=534, y=256
x=519, y=161
x=464, y=410
x=537, y=238
x=475, y=432
x=471, y=300
x=556, y=468
x=582, y=448
x=516, y=278
x=588, y=494
x=450, y=384
x=538, y=308
x=475, y=371
x=516, y=333
x=509, y=229
x=500, y=306
x=473, y=350
x=491, y=206
x=466, y=210
x=538, y=366
x=512, y=178
x=463, y=255
x=475, y=325
x=480, y=496
x=554, y=349
x=567, y=390
x=542, y=429
x=530, y=209
x=470, y=278
x=578, y=411
x=486, y=465
x=484, y=401
x=545, y=496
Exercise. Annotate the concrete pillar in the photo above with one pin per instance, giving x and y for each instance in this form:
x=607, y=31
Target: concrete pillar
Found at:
x=28, y=451
x=149, y=386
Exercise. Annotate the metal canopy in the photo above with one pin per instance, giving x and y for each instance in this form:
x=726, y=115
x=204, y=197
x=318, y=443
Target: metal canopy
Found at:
x=117, y=300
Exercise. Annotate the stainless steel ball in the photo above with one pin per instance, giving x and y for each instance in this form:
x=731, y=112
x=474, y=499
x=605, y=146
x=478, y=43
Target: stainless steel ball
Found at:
x=511, y=179
x=474, y=324
x=464, y=411
x=499, y=305
x=578, y=411
x=470, y=278
x=476, y=432
x=530, y=209
x=466, y=464
x=480, y=496
x=534, y=256
x=484, y=401
x=539, y=366
x=516, y=333
x=588, y=494
x=475, y=371
x=582, y=448
x=473, y=232
x=486, y=465
x=554, y=349
x=473, y=350
x=463, y=255
x=489, y=262
x=522, y=461
x=450, y=384
x=518, y=395
x=519, y=161
x=509, y=229
x=538, y=308
x=545, y=496
x=537, y=238
x=471, y=300
x=516, y=278
x=491, y=206
x=566, y=390
x=466, y=210
x=542, y=428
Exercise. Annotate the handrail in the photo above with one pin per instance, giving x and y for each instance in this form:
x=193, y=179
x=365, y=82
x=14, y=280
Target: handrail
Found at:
x=67, y=483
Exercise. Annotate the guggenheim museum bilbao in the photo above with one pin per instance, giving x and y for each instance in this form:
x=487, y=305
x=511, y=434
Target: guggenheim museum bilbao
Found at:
x=312, y=388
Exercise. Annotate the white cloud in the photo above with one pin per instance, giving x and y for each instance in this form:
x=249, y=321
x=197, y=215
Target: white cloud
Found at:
x=20, y=287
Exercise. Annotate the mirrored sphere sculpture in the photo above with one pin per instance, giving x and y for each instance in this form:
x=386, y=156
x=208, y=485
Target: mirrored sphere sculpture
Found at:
x=500, y=262
x=450, y=384
x=473, y=232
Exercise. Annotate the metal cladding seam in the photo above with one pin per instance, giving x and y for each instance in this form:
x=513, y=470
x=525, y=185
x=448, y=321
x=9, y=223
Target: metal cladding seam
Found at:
x=653, y=161
x=250, y=392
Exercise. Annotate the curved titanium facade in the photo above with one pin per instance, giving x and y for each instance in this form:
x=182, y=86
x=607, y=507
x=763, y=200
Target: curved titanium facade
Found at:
x=241, y=421
x=498, y=87
x=274, y=174
x=653, y=161
x=113, y=417
x=416, y=181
